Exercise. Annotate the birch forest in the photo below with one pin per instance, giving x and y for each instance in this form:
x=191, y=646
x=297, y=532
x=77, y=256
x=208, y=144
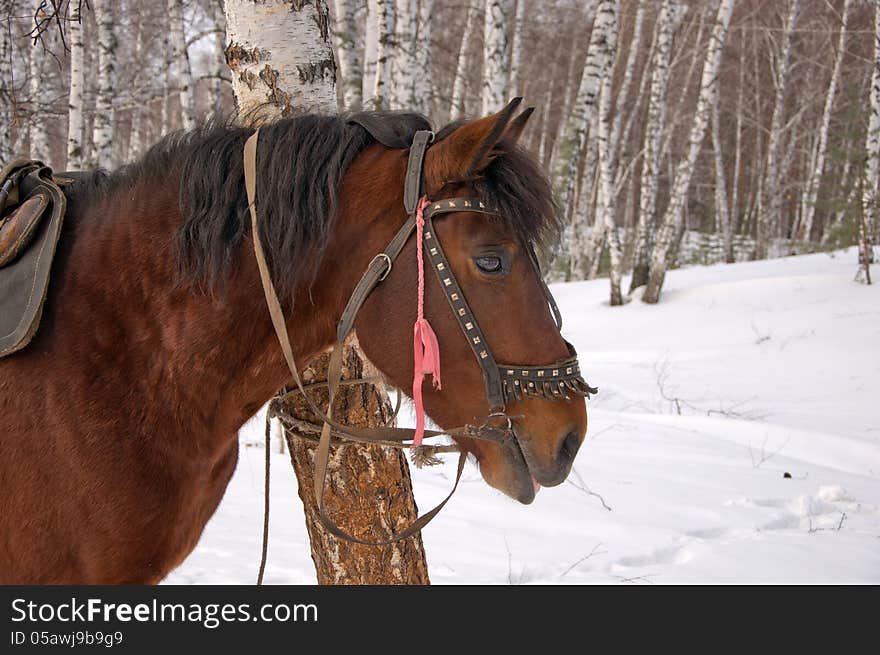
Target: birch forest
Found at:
x=674, y=131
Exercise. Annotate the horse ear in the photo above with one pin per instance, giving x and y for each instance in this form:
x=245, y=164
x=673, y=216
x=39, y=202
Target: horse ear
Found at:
x=468, y=150
x=517, y=125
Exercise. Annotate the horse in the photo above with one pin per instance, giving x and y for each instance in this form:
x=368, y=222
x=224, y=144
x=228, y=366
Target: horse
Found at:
x=119, y=422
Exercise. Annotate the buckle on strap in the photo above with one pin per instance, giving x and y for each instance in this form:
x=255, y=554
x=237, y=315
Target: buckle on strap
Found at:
x=388, y=259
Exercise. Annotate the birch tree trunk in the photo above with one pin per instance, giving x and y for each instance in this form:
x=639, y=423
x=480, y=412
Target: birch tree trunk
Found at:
x=462, y=66
x=769, y=217
x=424, y=85
x=654, y=128
x=737, y=146
x=871, y=181
x=75, y=151
x=607, y=200
x=6, y=98
x=403, y=59
x=280, y=57
x=215, y=96
x=347, y=53
x=672, y=223
x=38, y=136
x=514, y=85
x=371, y=48
x=815, y=179
x=102, y=130
x=623, y=107
x=384, y=38
x=135, y=135
x=571, y=145
x=494, y=61
x=180, y=52
x=722, y=209
x=375, y=491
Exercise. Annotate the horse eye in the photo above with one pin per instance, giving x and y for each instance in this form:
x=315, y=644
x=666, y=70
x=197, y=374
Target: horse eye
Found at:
x=489, y=264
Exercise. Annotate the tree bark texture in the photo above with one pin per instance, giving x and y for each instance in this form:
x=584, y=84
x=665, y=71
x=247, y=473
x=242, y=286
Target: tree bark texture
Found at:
x=102, y=130
x=494, y=60
x=75, y=125
x=280, y=57
x=462, y=65
x=349, y=55
x=368, y=492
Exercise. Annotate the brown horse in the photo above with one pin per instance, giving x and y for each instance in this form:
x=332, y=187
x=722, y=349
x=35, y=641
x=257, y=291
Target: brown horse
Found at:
x=119, y=422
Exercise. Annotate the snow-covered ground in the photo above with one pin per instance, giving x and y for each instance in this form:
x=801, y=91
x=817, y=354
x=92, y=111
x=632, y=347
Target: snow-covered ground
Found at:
x=774, y=367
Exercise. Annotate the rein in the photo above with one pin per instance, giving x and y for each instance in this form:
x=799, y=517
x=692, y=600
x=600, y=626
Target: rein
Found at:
x=504, y=383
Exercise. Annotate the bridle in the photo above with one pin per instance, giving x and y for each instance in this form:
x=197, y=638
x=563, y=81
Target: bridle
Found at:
x=504, y=383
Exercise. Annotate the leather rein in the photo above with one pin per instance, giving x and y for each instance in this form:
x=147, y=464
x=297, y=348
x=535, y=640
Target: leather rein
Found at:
x=504, y=383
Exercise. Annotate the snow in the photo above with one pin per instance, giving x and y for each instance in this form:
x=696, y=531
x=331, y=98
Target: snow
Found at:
x=774, y=367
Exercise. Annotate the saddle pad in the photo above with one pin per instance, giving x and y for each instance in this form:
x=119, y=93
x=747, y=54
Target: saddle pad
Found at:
x=25, y=280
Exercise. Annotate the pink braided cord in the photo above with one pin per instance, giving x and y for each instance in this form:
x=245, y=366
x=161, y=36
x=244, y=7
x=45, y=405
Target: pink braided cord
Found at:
x=426, y=350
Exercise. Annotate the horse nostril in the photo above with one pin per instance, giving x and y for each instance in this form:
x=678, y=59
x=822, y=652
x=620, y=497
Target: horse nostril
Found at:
x=570, y=446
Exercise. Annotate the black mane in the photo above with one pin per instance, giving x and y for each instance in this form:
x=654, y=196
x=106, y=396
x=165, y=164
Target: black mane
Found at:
x=298, y=179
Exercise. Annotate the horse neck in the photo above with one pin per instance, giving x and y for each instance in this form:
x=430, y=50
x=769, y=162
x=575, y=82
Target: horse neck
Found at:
x=205, y=363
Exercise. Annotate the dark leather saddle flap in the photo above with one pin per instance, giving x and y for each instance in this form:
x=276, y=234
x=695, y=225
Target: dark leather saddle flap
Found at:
x=32, y=208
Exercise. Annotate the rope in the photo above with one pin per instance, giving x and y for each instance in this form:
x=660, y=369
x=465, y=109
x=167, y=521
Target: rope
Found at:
x=265, y=503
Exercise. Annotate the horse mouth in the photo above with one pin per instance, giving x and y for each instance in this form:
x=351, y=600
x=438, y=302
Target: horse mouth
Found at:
x=525, y=486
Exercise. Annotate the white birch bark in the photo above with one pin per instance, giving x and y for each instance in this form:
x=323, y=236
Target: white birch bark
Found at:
x=514, y=85
x=673, y=218
x=6, y=97
x=371, y=47
x=769, y=217
x=186, y=91
x=38, y=136
x=102, y=129
x=494, y=61
x=871, y=181
x=75, y=151
x=737, y=146
x=135, y=135
x=607, y=200
x=215, y=95
x=350, y=73
x=654, y=128
x=722, y=209
x=424, y=85
x=571, y=143
x=462, y=65
x=402, y=93
x=384, y=37
x=269, y=76
x=815, y=179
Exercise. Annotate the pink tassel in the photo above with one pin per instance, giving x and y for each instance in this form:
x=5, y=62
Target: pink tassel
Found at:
x=426, y=349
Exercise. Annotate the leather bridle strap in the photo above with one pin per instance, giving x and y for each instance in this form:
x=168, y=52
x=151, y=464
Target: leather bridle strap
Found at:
x=334, y=374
